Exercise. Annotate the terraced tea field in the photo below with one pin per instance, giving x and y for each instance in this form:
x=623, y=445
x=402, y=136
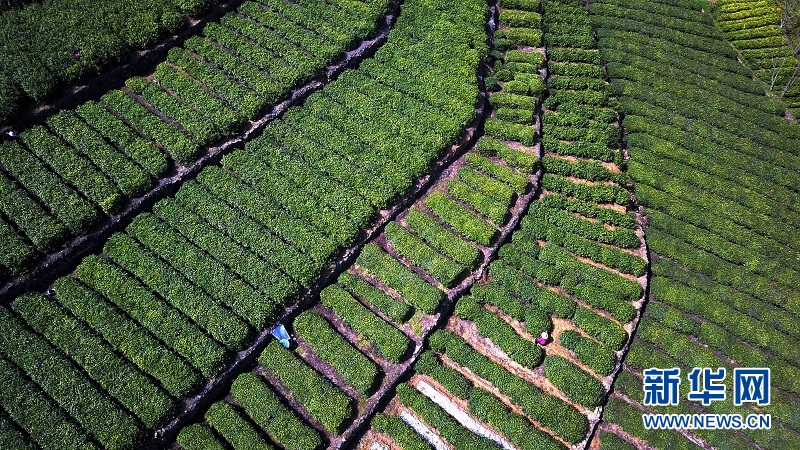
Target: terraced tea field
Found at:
x=483, y=224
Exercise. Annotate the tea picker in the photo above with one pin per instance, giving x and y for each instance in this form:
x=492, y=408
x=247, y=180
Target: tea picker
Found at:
x=542, y=339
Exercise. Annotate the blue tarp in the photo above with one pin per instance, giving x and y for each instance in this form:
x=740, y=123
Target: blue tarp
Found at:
x=281, y=335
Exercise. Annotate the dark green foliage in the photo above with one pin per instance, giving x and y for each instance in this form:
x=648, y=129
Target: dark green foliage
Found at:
x=161, y=319
x=127, y=337
x=596, y=193
x=460, y=219
x=92, y=408
x=597, y=356
x=324, y=401
x=115, y=374
x=358, y=370
x=126, y=175
x=500, y=129
x=578, y=385
x=522, y=161
x=207, y=273
x=423, y=256
x=445, y=425
x=610, y=441
x=44, y=230
x=71, y=165
x=601, y=328
x=218, y=321
x=525, y=57
x=71, y=40
x=396, y=310
x=145, y=153
x=265, y=408
x=487, y=206
x=451, y=379
x=525, y=288
x=391, y=342
x=491, y=326
x=230, y=424
x=521, y=36
x=441, y=238
x=519, y=430
x=198, y=437
x=564, y=420
x=507, y=175
x=542, y=217
x=414, y=290
x=37, y=413
x=401, y=433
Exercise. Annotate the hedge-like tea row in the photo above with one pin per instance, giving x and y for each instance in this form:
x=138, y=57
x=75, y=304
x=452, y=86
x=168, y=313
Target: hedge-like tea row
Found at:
x=485, y=406
x=329, y=405
x=558, y=416
x=36, y=413
x=234, y=428
x=445, y=425
x=595, y=193
x=523, y=351
x=128, y=338
x=540, y=217
x=118, y=376
x=205, y=272
x=522, y=161
x=451, y=379
x=462, y=220
x=526, y=288
x=608, y=256
x=93, y=409
x=356, y=369
x=265, y=409
x=489, y=207
x=578, y=385
x=162, y=320
x=138, y=149
x=717, y=221
x=126, y=175
x=199, y=437
x=102, y=153
x=598, y=287
x=248, y=232
x=398, y=311
x=70, y=164
x=761, y=332
x=423, y=256
x=201, y=250
x=597, y=356
x=436, y=235
x=517, y=181
x=765, y=312
x=18, y=253
x=249, y=267
x=390, y=341
x=413, y=289
x=601, y=328
x=219, y=321
x=402, y=434
x=76, y=39
x=591, y=210
x=43, y=229
x=754, y=29
x=490, y=409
